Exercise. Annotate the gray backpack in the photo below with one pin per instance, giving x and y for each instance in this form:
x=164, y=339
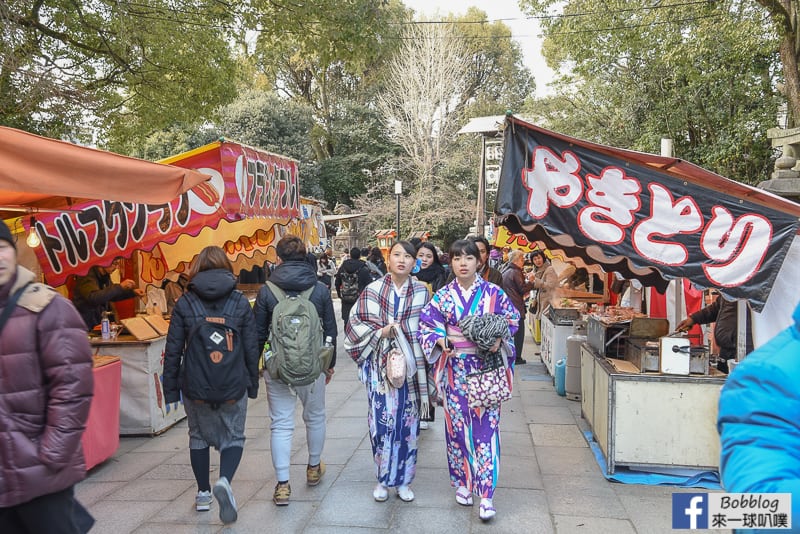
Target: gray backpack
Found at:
x=295, y=339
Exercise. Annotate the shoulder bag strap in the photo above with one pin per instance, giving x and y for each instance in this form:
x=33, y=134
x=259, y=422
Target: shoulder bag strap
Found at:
x=277, y=292
x=196, y=304
x=230, y=305
x=10, y=305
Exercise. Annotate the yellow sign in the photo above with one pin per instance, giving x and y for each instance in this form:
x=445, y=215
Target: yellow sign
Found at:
x=504, y=238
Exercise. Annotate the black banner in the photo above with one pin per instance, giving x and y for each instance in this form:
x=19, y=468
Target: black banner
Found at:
x=645, y=216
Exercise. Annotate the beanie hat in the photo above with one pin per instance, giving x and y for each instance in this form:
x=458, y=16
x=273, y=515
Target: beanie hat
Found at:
x=5, y=234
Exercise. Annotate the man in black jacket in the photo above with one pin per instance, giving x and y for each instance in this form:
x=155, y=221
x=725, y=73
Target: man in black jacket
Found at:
x=352, y=265
x=517, y=287
x=94, y=293
x=723, y=313
x=294, y=274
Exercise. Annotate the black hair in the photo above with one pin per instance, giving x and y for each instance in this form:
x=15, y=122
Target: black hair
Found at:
x=481, y=239
x=291, y=248
x=432, y=248
x=464, y=247
x=538, y=253
x=355, y=253
x=408, y=247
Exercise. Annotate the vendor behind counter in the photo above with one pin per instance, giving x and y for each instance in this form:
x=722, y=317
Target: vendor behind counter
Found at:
x=94, y=293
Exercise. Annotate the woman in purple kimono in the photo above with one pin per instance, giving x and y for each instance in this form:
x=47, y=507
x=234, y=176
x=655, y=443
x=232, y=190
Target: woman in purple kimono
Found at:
x=386, y=314
x=472, y=434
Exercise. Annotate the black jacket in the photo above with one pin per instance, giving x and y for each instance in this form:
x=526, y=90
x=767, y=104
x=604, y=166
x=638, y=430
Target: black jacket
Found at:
x=723, y=313
x=93, y=293
x=353, y=266
x=294, y=277
x=213, y=288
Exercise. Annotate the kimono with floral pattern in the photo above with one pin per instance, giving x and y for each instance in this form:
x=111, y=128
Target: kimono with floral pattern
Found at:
x=472, y=434
x=394, y=413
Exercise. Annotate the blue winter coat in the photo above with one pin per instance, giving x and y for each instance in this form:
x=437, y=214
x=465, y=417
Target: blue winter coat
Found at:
x=759, y=421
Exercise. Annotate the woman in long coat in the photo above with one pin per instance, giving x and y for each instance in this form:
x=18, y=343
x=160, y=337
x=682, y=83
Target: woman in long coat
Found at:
x=387, y=312
x=472, y=434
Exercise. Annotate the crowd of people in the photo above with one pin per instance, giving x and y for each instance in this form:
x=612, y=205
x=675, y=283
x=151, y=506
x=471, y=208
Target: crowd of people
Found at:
x=425, y=329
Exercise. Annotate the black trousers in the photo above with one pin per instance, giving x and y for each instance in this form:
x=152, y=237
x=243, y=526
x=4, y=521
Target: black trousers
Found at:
x=55, y=513
x=519, y=337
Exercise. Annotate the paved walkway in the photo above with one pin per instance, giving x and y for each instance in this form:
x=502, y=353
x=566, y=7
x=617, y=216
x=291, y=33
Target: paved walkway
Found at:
x=549, y=480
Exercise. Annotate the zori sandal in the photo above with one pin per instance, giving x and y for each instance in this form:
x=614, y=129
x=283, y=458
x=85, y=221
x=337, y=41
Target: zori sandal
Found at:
x=463, y=496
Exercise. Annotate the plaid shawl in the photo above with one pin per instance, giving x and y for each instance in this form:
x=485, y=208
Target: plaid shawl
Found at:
x=373, y=310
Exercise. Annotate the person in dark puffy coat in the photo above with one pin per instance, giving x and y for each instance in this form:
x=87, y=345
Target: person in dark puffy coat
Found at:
x=220, y=426
x=94, y=293
x=45, y=393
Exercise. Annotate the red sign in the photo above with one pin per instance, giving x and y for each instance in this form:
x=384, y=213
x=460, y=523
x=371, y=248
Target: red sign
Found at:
x=245, y=183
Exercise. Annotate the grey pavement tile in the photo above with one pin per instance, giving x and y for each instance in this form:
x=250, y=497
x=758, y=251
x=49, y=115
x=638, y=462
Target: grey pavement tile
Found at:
x=516, y=443
x=257, y=418
x=112, y=518
x=347, y=427
x=337, y=451
x=517, y=511
x=512, y=416
x=150, y=490
x=171, y=472
x=543, y=398
x=182, y=511
x=257, y=439
x=88, y=492
x=361, y=468
x=168, y=528
x=520, y=472
x=167, y=442
x=263, y=516
x=327, y=529
x=255, y=465
x=555, y=415
x=567, y=461
x=128, y=443
x=431, y=454
x=412, y=520
x=587, y=496
x=547, y=435
x=129, y=467
x=593, y=525
x=352, y=505
x=351, y=408
x=300, y=490
x=536, y=383
x=432, y=489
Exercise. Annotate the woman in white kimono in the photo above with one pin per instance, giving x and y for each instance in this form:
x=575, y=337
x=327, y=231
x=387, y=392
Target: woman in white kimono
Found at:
x=472, y=435
x=385, y=314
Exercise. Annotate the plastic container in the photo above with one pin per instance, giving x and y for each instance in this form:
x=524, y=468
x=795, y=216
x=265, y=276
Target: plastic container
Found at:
x=561, y=377
x=105, y=326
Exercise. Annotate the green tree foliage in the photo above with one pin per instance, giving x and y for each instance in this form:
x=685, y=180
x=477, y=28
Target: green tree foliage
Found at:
x=699, y=72
x=785, y=16
x=324, y=52
x=497, y=77
x=120, y=67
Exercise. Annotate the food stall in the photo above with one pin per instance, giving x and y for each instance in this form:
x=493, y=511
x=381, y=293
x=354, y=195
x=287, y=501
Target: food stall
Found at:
x=250, y=201
x=45, y=177
x=654, y=219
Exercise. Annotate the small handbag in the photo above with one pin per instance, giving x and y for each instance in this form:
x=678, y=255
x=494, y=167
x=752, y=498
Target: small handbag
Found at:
x=490, y=386
x=396, y=370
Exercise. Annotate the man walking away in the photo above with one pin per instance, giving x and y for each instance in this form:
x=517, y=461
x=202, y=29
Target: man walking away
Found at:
x=45, y=393
x=294, y=276
x=351, y=279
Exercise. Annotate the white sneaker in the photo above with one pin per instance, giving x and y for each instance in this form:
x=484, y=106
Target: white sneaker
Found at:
x=423, y=425
x=380, y=493
x=202, y=502
x=405, y=493
x=227, y=504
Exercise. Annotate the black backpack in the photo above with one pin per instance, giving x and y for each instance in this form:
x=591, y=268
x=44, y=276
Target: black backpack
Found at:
x=349, y=290
x=214, y=360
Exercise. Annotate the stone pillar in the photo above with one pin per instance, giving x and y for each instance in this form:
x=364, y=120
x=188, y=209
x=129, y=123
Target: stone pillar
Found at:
x=785, y=179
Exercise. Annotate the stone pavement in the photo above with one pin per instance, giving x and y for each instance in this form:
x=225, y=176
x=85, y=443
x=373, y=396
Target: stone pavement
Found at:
x=549, y=480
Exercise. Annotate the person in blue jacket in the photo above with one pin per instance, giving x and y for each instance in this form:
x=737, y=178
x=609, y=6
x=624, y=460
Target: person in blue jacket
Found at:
x=759, y=421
